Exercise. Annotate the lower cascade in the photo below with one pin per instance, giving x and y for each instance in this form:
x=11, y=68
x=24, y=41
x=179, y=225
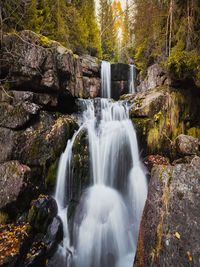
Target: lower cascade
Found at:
x=106, y=222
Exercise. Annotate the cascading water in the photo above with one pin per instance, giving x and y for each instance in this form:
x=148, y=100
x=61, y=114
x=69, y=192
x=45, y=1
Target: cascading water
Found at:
x=106, y=222
x=132, y=79
x=106, y=79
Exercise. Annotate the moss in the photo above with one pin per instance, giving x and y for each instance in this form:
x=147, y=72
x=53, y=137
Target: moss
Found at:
x=194, y=131
x=184, y=64
x=141, y=125
x=44, y=41
x=3, y=217
x=153, y=138
x=180, y=129
x=50, y=179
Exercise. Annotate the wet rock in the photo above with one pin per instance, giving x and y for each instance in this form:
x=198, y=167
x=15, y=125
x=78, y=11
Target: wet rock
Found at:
x=41, y=213
x=44, y=246
x=53, y=236
x=169, y=228
x=187, y=145
x=119, y=72
x=155, y=77
x=13, y=181
x=118, y=88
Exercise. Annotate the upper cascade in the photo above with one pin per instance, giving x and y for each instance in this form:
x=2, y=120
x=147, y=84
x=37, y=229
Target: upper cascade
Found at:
x=132, y=79
x=105, y=79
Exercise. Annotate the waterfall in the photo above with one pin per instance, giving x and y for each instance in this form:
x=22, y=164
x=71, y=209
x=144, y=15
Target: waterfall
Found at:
x=105, y=79
x=106, y=222
x=132, y=79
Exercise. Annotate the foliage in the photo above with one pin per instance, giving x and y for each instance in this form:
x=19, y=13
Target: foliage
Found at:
x=11, y=239
x=71, y=23
x=166, y=31
x=184, y=64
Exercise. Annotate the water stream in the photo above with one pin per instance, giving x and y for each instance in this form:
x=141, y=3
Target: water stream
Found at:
x=107, y=218
x=132, y=79
x=106, y=79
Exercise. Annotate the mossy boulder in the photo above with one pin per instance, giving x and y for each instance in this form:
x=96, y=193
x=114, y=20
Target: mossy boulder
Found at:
x=41, y=213
x=169, y=227
x=161, y=114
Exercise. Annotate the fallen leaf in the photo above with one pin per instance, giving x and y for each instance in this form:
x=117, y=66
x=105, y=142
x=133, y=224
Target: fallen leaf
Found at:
x=177, y=235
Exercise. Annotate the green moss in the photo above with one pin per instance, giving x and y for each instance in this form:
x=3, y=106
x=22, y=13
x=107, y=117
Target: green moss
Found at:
x=50, y=179
x=141, y=125
x=179, y=129
x=184, y=64
x=3, y=217
x=44, y=41
x=153, y=138
x=194, y=131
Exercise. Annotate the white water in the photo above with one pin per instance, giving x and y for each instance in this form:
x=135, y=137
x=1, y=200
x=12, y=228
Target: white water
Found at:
x=132, y=79
x=105, y=79
x=107, y=219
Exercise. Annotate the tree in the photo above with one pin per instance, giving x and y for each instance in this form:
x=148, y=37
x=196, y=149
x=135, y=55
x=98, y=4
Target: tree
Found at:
x=108, y=33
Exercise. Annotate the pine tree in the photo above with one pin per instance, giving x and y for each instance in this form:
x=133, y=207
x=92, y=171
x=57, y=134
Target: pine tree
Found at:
x=87, y=11
x=108, y=34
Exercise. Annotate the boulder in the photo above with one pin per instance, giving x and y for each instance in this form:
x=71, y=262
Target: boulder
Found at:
x=17, y=116
x=41, y=213
x=169, y=230
x=187, y=145
x=53, y=236
x=14, y=178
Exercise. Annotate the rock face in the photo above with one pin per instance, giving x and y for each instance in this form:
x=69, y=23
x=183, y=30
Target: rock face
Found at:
x=32, y=62
x=119, y=79
x=161, y=114
x=169, y=232
x=155, y=77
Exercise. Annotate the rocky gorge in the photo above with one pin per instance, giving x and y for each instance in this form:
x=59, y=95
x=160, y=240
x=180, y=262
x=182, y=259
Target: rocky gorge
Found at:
x=40, y=83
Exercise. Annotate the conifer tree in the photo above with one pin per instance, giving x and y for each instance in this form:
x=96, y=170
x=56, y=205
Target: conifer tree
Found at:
x=108, y=34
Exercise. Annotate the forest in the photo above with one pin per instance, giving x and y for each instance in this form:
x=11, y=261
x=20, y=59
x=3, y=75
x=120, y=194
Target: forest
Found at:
x=99, y=133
